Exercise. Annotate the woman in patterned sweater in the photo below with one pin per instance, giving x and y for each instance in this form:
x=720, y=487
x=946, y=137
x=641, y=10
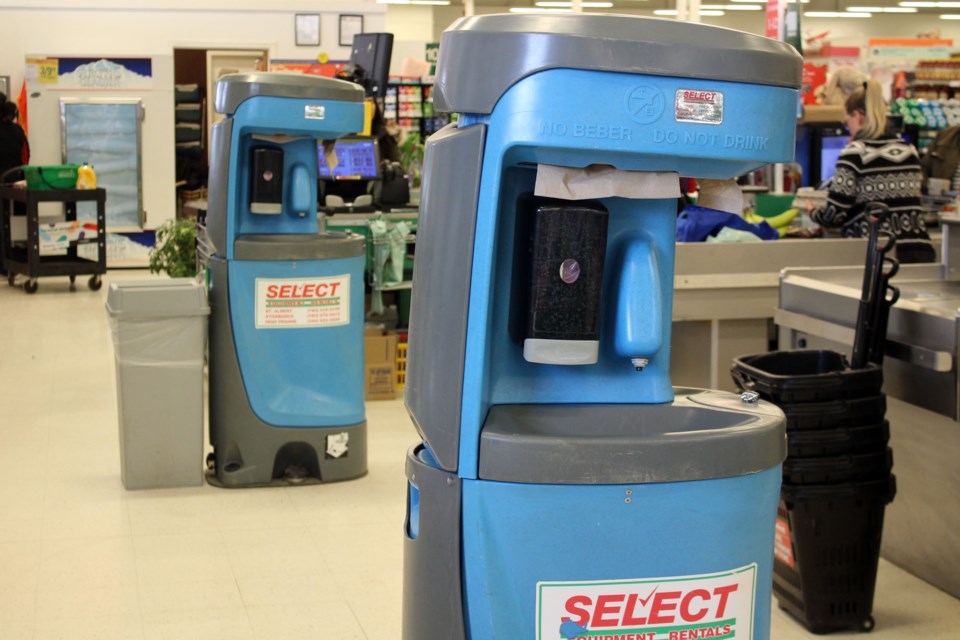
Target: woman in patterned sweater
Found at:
x=877, y=167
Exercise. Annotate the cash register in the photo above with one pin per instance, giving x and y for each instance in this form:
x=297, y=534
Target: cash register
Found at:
x=346, y=186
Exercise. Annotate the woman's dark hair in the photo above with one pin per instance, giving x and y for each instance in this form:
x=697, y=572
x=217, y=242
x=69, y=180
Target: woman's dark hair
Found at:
x=9, y=112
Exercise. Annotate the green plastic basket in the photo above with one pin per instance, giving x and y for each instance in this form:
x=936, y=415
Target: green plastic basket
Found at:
x=49, y=177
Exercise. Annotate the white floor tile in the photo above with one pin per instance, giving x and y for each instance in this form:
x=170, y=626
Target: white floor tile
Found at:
x=221, y=623
x=158, y=596
x=308, y=590
x=250, y=509
x=88, y=564
x=180, y=557
x=19, y=564
x=277, y=553
x=327, y=620
x=90, y=628
x=172, y=511
x=117, y=601
x=18, y=606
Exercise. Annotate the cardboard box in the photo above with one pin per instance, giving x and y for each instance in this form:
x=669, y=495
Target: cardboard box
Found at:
x=823, y=113
x=380, y=365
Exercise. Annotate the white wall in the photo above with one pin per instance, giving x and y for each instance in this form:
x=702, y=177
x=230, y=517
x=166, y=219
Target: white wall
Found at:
x=154, y=28
x=412, y=29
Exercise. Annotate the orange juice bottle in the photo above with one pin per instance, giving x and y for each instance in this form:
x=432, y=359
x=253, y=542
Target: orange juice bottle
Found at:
x=86, y=178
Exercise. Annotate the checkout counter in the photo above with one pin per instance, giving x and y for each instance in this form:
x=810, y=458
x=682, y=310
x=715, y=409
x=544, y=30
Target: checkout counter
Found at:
x=818, y=309
x=725, y=296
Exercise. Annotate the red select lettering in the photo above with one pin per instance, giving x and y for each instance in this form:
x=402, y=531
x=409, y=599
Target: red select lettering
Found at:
x=288, y=291
x=700, y=96
x=663, y=607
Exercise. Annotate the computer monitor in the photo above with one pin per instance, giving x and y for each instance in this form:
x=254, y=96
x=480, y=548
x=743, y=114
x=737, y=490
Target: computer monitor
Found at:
x=830, y=148
x=358, y=158
x=818, y=147
x=370, y=58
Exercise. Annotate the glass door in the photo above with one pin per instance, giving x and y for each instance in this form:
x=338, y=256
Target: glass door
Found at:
x=106, y=133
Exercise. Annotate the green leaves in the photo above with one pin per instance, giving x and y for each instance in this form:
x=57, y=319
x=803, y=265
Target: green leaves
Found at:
x=175, y=249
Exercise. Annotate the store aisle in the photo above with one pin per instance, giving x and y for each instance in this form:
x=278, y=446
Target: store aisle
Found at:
x=82, y=558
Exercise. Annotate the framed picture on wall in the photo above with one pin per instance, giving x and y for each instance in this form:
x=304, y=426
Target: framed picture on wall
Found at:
x=350, y=26
x=307, y=28
x=5, y=86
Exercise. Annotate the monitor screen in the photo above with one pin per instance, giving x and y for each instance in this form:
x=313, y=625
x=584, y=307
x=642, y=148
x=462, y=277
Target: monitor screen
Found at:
x=830, y=152
x=357, y=159
x=371, y=52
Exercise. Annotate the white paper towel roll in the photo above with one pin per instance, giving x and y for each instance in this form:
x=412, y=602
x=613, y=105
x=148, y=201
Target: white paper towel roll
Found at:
x=604, y=181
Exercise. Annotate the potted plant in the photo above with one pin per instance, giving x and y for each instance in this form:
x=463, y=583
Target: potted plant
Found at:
x=175, y=249
x=411, y=157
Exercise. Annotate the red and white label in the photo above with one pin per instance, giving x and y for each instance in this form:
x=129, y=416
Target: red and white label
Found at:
x=717, y=606
x=698, y=106
x=298, y=303
x=782, y=546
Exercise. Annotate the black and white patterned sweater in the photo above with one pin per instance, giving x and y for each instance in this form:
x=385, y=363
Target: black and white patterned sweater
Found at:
x=887, y=171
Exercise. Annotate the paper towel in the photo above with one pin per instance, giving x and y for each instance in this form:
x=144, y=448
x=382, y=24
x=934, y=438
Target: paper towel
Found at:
x=722, y=195
x=604, y=181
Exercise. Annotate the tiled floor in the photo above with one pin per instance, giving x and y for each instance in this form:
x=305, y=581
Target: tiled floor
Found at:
x=80, y=558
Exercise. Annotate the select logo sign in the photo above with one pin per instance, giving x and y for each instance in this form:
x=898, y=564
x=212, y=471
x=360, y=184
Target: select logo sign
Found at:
x=698, y=106
x=716, y=606
x=298, y=303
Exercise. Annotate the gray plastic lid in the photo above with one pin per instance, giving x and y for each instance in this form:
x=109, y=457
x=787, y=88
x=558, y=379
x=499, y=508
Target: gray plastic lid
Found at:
x=325, y=246
x=176, y=297
x=702, y=435
x=234, y=88
x=483, y=56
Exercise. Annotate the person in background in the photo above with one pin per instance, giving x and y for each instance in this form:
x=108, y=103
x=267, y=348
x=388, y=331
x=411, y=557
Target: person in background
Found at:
x=840, y=85
x=877, y=166
x=14, y=148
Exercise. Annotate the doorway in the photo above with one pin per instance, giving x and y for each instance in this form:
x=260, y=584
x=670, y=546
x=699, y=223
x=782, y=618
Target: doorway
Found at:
x=195, y=72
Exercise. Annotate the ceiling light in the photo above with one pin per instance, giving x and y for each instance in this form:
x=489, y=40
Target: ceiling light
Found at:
x=538, y=10
x=882, y=9
x=932, y=5
x=865, y=9
x=673, y=12
x=436, y=3
x=950, y=16
x=899, y=10
x=585, y=5
x=835, y=14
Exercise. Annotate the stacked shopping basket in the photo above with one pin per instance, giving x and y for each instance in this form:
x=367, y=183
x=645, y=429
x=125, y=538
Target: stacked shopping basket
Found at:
x=836, y=483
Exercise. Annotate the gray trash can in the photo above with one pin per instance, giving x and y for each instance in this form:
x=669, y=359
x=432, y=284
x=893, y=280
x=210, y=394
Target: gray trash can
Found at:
x=159, y=337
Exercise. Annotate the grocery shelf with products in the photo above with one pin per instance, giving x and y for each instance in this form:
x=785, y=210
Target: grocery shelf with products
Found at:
x=935, y=79
x=409, y=103
x=928, y=114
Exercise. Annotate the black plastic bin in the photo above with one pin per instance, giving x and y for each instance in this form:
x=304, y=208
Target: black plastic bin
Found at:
x=805, y=376
x=849, y=412
x=833, y=470
x=826, y=576
x=871, y=438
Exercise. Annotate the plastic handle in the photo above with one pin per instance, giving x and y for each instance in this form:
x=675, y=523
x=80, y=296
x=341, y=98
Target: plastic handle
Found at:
x=413, y=511
x=638, y=328
x=299, y=195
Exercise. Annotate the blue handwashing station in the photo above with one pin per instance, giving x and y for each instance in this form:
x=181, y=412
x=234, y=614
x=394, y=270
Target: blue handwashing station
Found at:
x=286, y=321
x=564, y=489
